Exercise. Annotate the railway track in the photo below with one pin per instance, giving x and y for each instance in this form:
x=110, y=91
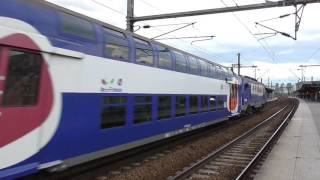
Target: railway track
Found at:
x=238, y=159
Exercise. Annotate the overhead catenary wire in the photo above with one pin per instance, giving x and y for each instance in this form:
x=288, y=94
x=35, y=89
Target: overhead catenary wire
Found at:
x=202, y=50
x=268, y=51
x=214, y=56
x=185, y=37
x=177, y=29
x=108, y=7
x=313, y=54
x=273, y=55
x=252, y=34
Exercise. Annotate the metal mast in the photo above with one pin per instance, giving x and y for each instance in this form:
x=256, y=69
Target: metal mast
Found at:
x=268, y=4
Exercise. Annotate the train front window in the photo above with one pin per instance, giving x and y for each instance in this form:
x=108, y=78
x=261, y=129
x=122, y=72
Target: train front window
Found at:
x=23, y=79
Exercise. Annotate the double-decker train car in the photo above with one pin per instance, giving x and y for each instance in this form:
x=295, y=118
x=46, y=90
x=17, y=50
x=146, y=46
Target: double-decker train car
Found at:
x=253, y=95
x=74, y=89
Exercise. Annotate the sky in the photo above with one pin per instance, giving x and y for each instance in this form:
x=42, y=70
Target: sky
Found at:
x=278, y=57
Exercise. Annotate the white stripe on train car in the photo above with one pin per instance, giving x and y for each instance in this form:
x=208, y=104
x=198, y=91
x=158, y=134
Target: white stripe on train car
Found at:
x=86, y=77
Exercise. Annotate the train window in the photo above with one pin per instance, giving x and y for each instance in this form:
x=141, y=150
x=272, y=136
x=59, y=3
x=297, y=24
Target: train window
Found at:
x=77, y=26
x=116, y=45
x=144, y=53
x=114, y=33
x=113, y=116
x=140, y=41
x=115, y=100
x=212, y=101
x=193, y=65
x=204, y=103
x=220, y=103
x=219, y=73
x=212, y=71
x=142, y=109
x=181, y=63
x=23, y=79
x=114, y=112
x=165, y=60
x=203, y=68
x=180, y=106
x=193, y=104
x=143, y=99
x=164, y=107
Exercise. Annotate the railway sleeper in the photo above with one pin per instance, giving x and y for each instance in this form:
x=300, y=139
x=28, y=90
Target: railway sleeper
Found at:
x=207, y=171
x=235, y=157
x=227, y=164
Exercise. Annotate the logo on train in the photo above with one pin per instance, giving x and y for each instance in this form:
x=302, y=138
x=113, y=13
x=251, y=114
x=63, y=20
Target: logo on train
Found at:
x=111, y=85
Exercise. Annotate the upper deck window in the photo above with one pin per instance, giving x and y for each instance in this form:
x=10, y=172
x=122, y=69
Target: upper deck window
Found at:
x=193, y=65
x=181, y=63
x=116, y=45
x=219, y=72
x=165, y=60
x=114, y=33
x=77, y=27
x=203, y=68
x=144, y=53
x=212, y=71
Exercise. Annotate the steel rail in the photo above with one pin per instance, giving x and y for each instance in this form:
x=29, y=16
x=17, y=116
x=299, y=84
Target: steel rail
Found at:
x=188, y=170
x=246, y=171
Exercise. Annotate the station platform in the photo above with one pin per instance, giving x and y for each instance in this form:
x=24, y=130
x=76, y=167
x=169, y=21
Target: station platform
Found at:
x=296, y=155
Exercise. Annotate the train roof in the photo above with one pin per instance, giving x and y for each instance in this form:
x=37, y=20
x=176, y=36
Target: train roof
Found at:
x=248, y=77
x=68, y=11
x=252, y=80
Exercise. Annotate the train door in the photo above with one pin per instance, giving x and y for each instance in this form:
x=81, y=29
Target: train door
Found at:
x=233, y=98
x=21, y=107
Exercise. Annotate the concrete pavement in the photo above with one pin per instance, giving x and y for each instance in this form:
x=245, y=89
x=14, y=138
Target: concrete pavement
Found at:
x=296, y=155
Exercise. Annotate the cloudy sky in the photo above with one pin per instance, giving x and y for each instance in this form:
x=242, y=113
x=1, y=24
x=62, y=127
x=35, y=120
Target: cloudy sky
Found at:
x=277, y=57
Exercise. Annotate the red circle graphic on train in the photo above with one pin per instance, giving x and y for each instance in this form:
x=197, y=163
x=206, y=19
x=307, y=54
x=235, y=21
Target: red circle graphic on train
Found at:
x=26, y=88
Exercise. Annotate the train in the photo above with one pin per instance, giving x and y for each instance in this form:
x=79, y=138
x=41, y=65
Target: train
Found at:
x=75, y=89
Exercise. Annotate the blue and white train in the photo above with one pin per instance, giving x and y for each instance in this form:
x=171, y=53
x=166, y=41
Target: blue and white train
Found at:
x=74, y=89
